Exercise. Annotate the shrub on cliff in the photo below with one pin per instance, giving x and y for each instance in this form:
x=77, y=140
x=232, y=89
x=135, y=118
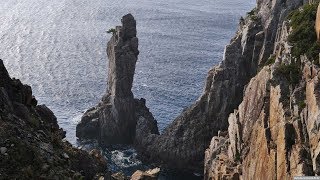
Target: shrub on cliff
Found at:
x=112, y=30
x=271, y=60
x=291, y=72
x=303, y=37
x=253, y=14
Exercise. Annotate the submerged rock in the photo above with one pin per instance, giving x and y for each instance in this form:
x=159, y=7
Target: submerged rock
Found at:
x=114, y=119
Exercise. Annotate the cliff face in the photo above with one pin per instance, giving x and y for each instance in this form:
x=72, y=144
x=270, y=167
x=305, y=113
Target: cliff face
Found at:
x=114, y=119
x=274, y=132
x=183, y=143
x=31, y=142
x=269, y=135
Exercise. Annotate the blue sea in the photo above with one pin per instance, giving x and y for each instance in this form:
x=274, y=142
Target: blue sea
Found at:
x=59, y=48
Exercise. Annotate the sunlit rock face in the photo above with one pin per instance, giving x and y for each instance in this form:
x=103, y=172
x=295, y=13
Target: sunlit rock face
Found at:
x=318, y=23
x=273, y=134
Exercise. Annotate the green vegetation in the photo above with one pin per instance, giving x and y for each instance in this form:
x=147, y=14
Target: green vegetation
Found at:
x=302, y=104
x=291, y=72
x=271, y=60
x=34, y=120
x=253, y=14
x=303, y=36
x=112, y=30
x=237, y=157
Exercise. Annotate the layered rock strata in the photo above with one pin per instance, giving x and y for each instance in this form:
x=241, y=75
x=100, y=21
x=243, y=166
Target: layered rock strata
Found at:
x=183, y=143
x=273, y=134
x=114, y=119
x=31, y=142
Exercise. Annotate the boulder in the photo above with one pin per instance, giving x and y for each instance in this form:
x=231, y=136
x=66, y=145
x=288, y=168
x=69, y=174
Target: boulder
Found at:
x=140, y=175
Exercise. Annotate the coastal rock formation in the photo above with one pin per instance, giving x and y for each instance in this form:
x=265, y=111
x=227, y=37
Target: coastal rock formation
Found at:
x=183, y=142
x=266, y=125
x=114, y=119
x=31, y=142
x=274, y=132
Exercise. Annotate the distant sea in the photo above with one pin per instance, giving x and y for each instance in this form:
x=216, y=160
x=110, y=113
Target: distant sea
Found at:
x=59, y=48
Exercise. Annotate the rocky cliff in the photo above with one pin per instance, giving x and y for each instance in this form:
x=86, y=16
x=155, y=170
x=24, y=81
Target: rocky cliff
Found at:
x=117, y=118
x=31, y=142
x=273, y=134
x=183, y=143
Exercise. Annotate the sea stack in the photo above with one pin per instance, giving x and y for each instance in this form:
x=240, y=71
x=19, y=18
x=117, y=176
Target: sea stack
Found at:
x=113, y=120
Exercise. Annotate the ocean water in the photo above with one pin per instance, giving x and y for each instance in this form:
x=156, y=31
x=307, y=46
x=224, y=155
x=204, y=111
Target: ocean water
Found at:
x=58, y=47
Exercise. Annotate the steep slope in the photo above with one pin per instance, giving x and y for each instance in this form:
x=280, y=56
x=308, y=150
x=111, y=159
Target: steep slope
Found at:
x=31, y=142
x=183, y=143
x=274, y=132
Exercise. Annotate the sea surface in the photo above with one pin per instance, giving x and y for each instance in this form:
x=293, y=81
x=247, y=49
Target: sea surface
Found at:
x=59, y=48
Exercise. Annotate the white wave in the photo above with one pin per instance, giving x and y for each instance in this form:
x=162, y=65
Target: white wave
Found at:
x=125, y=159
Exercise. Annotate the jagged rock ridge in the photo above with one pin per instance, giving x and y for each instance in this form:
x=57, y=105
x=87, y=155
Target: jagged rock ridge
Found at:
x=183, y=143
x=273, y=133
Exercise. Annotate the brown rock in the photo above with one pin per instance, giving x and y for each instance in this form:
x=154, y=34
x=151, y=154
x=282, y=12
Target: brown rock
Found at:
x=140, y=175
x=318, y=23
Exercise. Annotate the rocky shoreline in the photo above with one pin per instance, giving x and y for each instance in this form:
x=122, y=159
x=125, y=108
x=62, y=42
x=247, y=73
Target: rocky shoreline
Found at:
x=31, y=143
x=183, y=143
x=257, y=117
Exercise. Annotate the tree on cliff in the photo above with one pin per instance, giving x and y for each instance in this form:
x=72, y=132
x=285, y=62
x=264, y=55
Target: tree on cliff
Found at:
x=111, y=30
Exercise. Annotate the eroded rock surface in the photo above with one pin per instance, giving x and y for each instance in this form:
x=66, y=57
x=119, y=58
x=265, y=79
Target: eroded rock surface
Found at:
x=269, y=133
x=31, y=142
x=273, y=133
x=114, y=119
x=183, y=143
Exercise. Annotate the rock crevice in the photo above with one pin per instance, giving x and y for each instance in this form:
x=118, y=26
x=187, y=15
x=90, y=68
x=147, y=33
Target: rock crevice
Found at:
x=272, y=133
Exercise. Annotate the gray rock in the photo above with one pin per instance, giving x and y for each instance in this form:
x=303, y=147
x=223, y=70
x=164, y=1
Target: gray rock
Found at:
x=47, y=147
x=3, y=150
x=65, y=155
x=114, y=119
x=183, y=142
x=31, y=139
